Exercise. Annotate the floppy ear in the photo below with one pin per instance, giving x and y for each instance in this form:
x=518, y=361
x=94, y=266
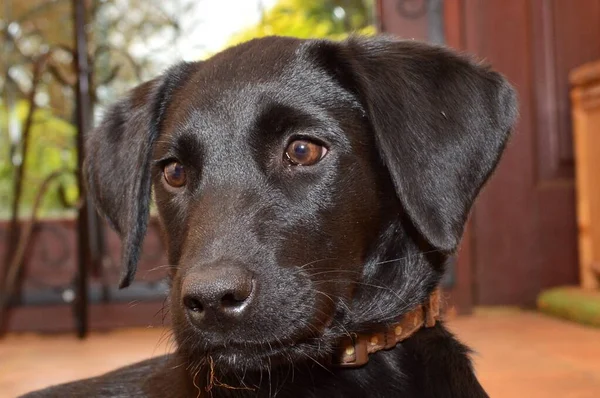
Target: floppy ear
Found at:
x=441, y=123
x=117, y=165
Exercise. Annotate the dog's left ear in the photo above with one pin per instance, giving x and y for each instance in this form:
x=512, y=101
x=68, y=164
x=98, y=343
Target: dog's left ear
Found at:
x=441, y=123
x=117, y=166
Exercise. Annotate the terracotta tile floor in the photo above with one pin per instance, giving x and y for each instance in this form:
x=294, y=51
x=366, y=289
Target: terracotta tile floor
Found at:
x=519, y=354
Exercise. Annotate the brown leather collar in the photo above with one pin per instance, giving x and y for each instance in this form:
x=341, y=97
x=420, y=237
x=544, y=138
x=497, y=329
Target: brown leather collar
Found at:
x=354, y=351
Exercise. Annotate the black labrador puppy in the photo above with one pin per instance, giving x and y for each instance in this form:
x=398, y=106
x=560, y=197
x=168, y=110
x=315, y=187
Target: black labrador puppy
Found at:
x=309, y=193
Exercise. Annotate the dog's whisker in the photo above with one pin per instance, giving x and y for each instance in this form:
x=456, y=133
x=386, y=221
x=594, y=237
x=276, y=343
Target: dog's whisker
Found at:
x=178, y=366
x=162, y=307
x=407, y=257
x=333, y=271
x=286, y=354
x=317, y=261
x=269, y=373
x=318, y=363
x=158, y=268
x=384, y=288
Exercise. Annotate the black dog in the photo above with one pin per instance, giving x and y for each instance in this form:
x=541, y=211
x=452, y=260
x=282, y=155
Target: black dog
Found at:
x=309, y=192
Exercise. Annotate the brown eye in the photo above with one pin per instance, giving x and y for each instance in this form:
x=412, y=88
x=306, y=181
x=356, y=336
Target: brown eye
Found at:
x=304, y=152
x=174, y=174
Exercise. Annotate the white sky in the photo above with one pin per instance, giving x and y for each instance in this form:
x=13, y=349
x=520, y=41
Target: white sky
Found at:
x=214, y=21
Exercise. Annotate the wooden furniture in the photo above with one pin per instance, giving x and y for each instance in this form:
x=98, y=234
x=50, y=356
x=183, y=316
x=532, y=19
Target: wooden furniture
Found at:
x=585, y=97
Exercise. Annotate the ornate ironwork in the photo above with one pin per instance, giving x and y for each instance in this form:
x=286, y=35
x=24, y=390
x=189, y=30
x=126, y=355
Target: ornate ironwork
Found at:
x=90, y=237
x=16, y=253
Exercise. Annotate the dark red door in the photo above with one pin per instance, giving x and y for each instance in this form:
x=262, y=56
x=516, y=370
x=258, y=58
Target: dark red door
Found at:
x=522, y=233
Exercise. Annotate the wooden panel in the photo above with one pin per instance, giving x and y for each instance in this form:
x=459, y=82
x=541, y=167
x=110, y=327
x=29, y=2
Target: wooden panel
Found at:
x=577, y=41
x=546, y=104
x=561, y=39
x=556, y=235
x=524, y=230
x=553, y=155
x=453, y=23
x=505, y=245
x=586, y=115
x=564, y=37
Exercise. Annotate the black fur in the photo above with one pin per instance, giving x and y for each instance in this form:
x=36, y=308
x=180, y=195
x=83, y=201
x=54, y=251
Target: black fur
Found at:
x=347, y=245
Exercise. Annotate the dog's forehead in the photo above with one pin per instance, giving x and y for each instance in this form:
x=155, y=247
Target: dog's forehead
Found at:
x=253, y=61
x=265, y=63
x=246, y=77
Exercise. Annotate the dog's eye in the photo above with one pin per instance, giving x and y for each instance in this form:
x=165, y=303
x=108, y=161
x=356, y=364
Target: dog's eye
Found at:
x=304, y=152
x=174, y=173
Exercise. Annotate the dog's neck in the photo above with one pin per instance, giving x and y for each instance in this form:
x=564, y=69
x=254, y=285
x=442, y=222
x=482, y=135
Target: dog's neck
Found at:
x=354, y=350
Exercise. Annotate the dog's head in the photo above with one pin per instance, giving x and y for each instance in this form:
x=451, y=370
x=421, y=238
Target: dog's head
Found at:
x=305, y=188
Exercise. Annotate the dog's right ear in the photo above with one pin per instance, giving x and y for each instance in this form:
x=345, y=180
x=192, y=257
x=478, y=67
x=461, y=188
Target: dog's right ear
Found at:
x=441, y=122
x=117, y=165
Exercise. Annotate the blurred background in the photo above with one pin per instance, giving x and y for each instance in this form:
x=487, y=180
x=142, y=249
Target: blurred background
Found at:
x=532, y=245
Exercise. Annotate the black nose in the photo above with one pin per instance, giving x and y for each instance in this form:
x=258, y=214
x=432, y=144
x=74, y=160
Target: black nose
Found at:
x=218, y=294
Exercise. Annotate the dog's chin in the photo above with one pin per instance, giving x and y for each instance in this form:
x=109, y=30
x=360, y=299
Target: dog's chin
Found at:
x=266, y=355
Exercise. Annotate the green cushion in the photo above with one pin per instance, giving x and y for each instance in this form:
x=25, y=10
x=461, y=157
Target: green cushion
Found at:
x=572, y=303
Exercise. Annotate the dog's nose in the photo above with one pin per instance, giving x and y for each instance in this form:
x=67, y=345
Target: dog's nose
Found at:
x=219, y=293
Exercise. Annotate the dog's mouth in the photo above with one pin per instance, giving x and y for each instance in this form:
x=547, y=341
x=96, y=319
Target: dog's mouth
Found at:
x=259, y=355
